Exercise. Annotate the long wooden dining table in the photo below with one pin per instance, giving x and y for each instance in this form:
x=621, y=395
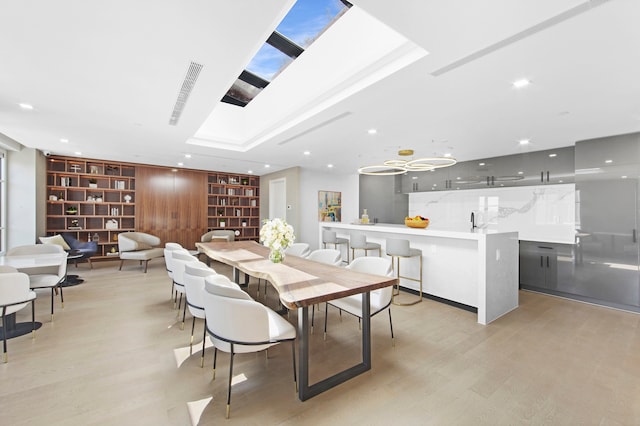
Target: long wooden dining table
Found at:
x=300, y=284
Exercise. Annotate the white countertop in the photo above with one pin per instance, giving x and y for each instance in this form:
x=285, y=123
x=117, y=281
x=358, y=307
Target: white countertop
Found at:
x=467, y=234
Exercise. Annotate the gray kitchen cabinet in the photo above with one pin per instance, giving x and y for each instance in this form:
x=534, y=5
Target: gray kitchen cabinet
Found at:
x=607, y=219
x=534, y=168
x=552, y=166
x=546, y=266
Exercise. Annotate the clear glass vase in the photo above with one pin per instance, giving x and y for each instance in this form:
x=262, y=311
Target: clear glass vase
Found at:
x=276, y=255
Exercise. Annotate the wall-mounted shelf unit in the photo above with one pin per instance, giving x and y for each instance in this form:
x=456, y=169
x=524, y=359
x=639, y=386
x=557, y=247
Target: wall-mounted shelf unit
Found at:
x=233, y=202
x=89, y=198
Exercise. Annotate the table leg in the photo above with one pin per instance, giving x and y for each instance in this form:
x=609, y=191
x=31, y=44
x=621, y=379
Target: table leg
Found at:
x=307, y=391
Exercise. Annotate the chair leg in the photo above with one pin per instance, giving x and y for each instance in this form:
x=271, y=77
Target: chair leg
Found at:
x=393, y=339
x=230, y=377
x=121, y=262
x=215, y=358
x=52, y=293
x=61, y=296
x=204, y=340
x=184, y=313
x=90, y=264
x=146, y=263
x=193, y=327
x=293, y=354
x=5, y=356
x=33, y=319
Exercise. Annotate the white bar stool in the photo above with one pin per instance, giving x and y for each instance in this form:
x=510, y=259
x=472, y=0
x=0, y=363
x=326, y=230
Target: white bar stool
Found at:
x=358, y=241
x=397, y=249
x=329, y=237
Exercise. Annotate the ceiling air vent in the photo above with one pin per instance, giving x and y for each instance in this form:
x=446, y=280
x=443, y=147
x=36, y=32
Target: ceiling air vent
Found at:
x=185, y=90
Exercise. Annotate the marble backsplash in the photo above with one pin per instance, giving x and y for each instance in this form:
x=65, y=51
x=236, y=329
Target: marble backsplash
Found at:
x=538, y=213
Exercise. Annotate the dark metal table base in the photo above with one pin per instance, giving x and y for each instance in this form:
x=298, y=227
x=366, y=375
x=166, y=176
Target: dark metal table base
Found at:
x=307, y=391
x=17, y=329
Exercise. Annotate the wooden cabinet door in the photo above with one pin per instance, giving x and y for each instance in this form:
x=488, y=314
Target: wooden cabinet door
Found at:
x=172, y=205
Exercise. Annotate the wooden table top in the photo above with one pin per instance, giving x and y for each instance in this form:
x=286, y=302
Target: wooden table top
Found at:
x=299, y=282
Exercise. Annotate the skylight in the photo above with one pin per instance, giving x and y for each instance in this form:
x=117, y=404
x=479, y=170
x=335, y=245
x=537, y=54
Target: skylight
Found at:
x=304, y=23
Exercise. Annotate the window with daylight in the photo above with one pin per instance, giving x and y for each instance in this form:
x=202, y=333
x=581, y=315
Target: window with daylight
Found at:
x=304, y=23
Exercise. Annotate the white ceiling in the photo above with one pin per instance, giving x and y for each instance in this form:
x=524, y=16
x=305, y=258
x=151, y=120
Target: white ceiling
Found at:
x=106, y=77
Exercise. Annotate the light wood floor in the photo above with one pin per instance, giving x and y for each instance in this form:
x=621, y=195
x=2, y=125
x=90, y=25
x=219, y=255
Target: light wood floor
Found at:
x=116, y=356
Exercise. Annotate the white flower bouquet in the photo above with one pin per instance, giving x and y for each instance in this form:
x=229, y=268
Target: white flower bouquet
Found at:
x=276, y=234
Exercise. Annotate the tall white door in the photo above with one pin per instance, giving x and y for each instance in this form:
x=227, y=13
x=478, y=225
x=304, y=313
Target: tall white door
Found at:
x=278, y=198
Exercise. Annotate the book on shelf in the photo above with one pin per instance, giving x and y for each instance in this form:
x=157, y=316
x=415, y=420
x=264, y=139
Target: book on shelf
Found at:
x=75, y=228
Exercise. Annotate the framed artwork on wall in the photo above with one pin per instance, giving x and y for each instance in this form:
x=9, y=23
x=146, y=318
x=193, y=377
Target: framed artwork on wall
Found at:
x=329, y=206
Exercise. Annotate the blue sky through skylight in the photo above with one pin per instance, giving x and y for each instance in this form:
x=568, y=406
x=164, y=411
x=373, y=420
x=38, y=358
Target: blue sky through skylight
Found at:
x=306, y=20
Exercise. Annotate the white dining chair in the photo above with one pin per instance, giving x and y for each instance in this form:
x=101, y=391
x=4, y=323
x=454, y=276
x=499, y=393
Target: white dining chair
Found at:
x=238, y=324
x=46, y=277
x=168, y=249
x=298, y=249
x=379, y=299
x=179, y=259
x=194, y=275
x=15, y=294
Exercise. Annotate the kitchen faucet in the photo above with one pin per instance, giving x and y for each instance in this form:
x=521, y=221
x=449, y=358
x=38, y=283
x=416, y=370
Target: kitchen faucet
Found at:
x=473, y=220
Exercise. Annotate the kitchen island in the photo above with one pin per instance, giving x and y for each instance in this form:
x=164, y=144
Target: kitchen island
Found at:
x=476, y=268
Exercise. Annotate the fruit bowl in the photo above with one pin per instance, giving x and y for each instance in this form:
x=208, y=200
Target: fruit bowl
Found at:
x=416, y=222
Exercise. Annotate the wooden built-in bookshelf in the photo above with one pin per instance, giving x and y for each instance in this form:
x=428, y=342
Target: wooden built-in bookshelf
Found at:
x=234, y=203
x=90, y=199
x=96, y=200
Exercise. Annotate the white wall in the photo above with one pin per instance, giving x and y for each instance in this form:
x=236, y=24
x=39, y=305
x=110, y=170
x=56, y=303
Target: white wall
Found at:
x=25, y=197
x=310, y=183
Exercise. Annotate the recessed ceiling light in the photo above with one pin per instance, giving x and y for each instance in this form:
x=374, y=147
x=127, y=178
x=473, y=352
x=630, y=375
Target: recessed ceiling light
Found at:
x=520, y=173
x=187, y=156
x=608, y=161
x=519, y=84
x=266, y=166
x=26, y=106
x=330, y=166
x=623, y=177
x=307, y=153
x=250, y=171
x=523, y=141
x=553, y=155
x=480, y=164
x=447, y=154
x=180, y=164
x=174, y=170
x=63, y=140
x=78, y=153
x=458, y=178
x=414, y=177
x=372, y=131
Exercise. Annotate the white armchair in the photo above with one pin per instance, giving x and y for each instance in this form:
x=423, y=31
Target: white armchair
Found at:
x=218, y=235
x=138, y=246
